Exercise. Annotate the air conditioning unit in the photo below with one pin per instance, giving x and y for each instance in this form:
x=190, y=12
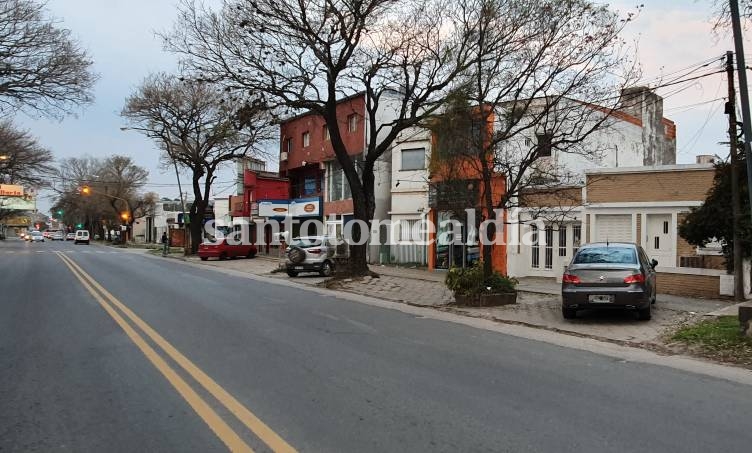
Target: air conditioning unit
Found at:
x=283, y=156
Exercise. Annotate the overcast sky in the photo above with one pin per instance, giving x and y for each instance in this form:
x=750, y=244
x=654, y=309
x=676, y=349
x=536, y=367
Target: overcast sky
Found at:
x=120, y=36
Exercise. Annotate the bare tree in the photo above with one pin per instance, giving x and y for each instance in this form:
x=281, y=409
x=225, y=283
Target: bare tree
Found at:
x=194, y=125
x=305, y=56
x=42, y=68
x=22, y=159
x=114, y=187
x=545, y=77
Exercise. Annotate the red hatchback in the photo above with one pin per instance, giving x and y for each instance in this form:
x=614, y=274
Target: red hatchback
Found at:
x=220, y=249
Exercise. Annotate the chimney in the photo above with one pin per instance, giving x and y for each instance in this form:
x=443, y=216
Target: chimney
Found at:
x=705, y=159
x=638, y=101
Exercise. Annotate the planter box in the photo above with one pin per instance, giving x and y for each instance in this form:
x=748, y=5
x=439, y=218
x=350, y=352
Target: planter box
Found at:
x=467, y=301
x=495, y=300
x=486, y=300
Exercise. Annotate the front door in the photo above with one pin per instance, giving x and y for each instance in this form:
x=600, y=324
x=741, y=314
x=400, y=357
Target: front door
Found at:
x=660, y=239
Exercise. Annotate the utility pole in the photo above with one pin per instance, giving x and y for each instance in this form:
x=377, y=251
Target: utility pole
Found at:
x=741, y=69
x=736, y=207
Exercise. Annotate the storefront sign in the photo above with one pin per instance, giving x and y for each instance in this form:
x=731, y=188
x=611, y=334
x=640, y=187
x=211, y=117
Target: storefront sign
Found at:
x=305, y=207
x=11, y=190
x=299, y=207
x=273, y=208
x=16, y=203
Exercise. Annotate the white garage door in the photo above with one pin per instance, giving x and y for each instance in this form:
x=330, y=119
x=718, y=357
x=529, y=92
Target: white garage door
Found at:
x=613, y=228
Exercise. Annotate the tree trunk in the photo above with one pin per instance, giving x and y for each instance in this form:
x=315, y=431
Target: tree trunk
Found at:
x=359, y=252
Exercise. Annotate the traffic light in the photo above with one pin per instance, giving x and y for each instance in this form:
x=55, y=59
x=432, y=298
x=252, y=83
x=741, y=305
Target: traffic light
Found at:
x=79, y=225
x=60, y=212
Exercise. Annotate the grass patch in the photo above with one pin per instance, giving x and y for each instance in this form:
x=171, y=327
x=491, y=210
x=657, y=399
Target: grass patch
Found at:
x=717, y=338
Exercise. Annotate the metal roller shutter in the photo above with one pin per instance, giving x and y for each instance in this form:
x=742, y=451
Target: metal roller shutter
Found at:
x=613, y=228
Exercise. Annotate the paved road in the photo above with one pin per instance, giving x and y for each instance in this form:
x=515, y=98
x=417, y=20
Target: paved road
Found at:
x=209, y=361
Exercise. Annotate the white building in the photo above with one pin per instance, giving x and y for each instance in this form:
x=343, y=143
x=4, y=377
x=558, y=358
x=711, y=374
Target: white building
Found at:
x=410, y=159
x=149, y=229
x=550, y=222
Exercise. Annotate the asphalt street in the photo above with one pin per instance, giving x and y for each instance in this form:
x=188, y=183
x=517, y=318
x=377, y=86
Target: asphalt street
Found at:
x=110, y=350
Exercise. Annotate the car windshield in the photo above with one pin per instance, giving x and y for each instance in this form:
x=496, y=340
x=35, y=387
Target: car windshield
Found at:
x=606, y=255
x=36, y=233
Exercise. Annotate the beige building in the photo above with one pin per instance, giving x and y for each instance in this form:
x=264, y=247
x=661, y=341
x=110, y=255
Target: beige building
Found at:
x=644, y=205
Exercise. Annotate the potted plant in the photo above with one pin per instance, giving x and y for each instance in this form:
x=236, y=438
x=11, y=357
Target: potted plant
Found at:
x=498, y=290
x=471, y=289
x=465, y=284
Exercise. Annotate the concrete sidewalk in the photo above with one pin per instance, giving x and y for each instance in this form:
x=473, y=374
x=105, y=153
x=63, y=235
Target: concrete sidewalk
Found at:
x=538, y=302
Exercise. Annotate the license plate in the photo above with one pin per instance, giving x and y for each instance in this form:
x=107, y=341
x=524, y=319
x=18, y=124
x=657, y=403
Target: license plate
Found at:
x=600, y=299
x=298, y=268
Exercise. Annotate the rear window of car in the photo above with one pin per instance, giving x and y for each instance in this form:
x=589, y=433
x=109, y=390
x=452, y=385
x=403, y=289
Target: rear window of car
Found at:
x=305, y=243
x=606, y=255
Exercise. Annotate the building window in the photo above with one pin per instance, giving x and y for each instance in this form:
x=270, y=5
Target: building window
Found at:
x=414, y=159
x=576, y=238
x=549, y=247
x=562, y=240
x=535, y=249
x=657, y=243
x=544, y=145
x=409, y=230
x=665, y=227
x=338, y=188
x=325, y=133
x=352, y=122
x=306, y=139
x=309, y=185
x=288, y=145
x=528, y=142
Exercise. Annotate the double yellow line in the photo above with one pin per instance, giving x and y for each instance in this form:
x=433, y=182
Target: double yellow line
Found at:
x=230, y=438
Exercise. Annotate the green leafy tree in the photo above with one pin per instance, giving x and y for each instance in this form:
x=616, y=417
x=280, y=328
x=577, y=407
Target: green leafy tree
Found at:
x=714, y=221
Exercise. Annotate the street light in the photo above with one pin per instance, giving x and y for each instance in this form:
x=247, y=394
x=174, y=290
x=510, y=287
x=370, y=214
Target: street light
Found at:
x=4, y=157
x=126, y=216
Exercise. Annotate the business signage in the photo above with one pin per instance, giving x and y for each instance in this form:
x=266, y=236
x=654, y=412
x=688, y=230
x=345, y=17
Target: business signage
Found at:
x=16, y=203
x=305, y=207
x=273, y=208
x=299, y=207
x=11, y=190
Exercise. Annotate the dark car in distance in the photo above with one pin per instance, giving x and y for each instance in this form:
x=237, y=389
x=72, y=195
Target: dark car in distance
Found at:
x=609, y=275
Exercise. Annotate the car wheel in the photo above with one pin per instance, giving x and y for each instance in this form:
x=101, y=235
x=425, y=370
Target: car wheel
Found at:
x=326, y=269
x=251, y=255
x=204, y=258
x=568, y=313
x=292, y=273
x=223, y=256
x=645, y=314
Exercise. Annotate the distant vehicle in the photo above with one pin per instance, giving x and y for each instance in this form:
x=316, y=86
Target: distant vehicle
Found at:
x=222, y=250
x=36, y=236
x=57, y=236
x=609, y=275
x=310, y=254
x=22, y=236
x=82, y=237
x=46, y=234
x=70, y=237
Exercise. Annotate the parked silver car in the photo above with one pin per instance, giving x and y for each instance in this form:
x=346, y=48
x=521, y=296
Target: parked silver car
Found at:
x=609, y=275
x=310, y=254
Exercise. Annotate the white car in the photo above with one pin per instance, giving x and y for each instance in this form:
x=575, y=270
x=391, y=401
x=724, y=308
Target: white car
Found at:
x=36, y=236
x=310, y=254
x=57, y=236
x=82, y=237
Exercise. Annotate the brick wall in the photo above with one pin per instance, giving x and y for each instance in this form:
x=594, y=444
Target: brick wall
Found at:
x=570, y=196
x=705, y=286
x=338, y=207
x=653, y=186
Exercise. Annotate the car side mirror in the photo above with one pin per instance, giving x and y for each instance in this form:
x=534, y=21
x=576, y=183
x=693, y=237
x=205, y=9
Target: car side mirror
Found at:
x=654, y=263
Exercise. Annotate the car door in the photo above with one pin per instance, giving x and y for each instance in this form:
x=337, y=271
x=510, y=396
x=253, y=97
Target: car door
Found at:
x=649, y=271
